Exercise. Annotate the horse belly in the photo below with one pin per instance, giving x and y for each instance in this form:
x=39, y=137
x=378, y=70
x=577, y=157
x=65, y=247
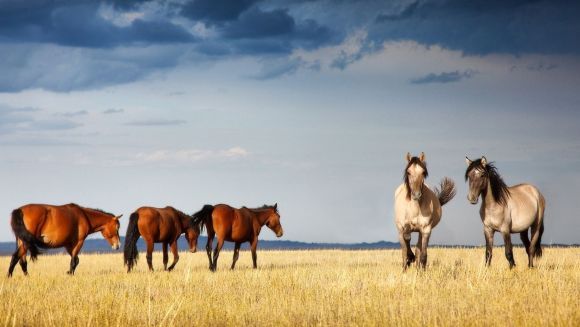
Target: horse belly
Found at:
x=58, y=231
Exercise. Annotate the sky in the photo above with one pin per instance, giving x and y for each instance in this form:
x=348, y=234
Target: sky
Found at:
x=308, y=104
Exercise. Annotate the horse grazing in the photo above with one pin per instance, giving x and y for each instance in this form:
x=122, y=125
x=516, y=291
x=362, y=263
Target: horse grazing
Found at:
x=46, y=226
x=158, y=225
x=418, y=208
x=236, y=225
x=506, y=209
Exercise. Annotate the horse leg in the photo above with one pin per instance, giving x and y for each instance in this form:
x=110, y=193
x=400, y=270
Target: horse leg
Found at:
x=165, y=256
x=535, y=238
x=74, y=258
x=424, y=242
x=216, y=253
x=405, y=239
x=175, y=255
x=22, y=261
x=526, y=242
x=236, y=254
x=509, y=254
x=488, y=232
x=150, y=254
x=208, y=246
x=254, y=247
x=418, y=249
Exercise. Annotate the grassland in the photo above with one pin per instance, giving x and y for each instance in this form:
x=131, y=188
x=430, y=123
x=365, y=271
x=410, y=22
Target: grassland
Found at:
x=298, y=288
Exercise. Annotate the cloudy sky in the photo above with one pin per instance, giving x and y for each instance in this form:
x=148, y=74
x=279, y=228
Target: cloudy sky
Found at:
x=311, y=104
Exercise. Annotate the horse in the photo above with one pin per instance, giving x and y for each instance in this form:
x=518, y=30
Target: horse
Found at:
x=236, y=225
x=47, y=226
x=158, y=225
x=418, y=208
x=507, y=210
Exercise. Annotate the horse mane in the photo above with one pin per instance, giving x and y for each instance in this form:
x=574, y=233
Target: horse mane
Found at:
x=95, y=209
x=499, y=189
x=413, y=161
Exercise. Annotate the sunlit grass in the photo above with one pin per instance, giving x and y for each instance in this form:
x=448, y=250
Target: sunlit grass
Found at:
x=298, y=288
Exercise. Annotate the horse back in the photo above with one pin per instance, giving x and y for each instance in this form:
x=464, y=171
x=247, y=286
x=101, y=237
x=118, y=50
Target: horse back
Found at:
x=158, y=224
x=234, y=225
x=55, y=225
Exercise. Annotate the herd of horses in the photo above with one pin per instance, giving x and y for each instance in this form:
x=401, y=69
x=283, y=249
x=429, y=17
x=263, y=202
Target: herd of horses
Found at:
x=515, y=209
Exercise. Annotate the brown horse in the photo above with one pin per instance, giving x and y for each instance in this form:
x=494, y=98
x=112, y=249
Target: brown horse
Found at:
x=47, y=226
x=236, y=225
x=159, y=225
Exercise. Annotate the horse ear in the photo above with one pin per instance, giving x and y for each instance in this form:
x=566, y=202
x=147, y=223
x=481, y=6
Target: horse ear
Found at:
x=119, y=217
x=483, y=161
x=422, y=156
x=276, y=205
x=408, y=157
x=467, y=161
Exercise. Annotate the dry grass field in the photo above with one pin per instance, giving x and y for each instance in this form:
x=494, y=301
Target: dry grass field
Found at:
x=298, y=288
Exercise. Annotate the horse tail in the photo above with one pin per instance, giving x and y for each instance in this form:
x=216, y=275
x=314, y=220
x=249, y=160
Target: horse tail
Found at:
x=30, y=241
x=130, y=251
x=447, y=191
x=203, y=216
x=538, y=253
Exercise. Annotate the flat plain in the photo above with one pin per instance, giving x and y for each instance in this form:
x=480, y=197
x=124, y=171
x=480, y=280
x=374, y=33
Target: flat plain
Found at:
x=298, y=288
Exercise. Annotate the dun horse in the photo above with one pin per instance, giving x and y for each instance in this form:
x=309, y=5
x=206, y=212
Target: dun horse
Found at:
x=47, y=226
x=418, y=208
x=158, y=225
x=506, y=209
x=236, y=225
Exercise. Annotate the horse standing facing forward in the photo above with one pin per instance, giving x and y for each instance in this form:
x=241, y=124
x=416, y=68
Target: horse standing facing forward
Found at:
x=506, y=209
x=47, y=226
x=418, y=208
x=158, y=225
x=236, y=225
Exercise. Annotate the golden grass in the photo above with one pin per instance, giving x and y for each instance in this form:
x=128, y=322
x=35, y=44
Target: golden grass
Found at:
x=298, y=288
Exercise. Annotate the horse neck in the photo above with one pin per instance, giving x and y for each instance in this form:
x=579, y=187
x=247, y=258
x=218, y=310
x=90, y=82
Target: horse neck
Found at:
x=487, y=196
x=261, y=216
x=183, y=219
x=96, y=219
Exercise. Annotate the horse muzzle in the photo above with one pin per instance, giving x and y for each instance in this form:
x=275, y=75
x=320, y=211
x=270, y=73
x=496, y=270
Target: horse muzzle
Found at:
x=193, y=250
x=472, y=200
x=115, y=246
x=280, y=233
x=416, y=196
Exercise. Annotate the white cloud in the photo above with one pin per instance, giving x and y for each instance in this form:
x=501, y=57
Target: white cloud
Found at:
x=188, y=156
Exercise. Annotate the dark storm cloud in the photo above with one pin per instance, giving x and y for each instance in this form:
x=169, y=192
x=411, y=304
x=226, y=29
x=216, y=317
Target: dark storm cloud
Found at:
x=445, y=77
x=482, y=27
x=31, y=33
x=78, y=24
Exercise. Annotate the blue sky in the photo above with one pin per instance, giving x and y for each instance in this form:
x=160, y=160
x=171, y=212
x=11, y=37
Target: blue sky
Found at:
x=311, y=104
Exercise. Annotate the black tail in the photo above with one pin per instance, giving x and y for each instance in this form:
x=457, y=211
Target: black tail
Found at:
x=538, y=252
x=130, y=252
x=447, y=191
x=29, y=240
x=203, y=216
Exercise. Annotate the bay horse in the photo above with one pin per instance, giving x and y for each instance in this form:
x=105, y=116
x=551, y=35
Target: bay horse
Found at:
x=47, y=226
x=159, y=225
x=236, y=225
x=418, y=208
x=507, y=210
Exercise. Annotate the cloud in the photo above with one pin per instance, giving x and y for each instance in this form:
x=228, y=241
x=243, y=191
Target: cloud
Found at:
x=13, y=120
x=188, y=156
x=445, y=77
x=215, y=11
x=113, y=111
x=72, y=113
x=278, y=67
x=484, y=27
x=156, y=122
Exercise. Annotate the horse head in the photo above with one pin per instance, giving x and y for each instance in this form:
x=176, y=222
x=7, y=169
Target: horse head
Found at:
x=415, y=174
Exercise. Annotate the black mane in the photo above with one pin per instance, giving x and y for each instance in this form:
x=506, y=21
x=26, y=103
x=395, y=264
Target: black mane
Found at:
x=95, y=209
x=413, y=161
x=499, y=190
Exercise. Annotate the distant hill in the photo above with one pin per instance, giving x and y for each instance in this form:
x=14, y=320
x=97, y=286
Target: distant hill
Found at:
x=101, y=246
